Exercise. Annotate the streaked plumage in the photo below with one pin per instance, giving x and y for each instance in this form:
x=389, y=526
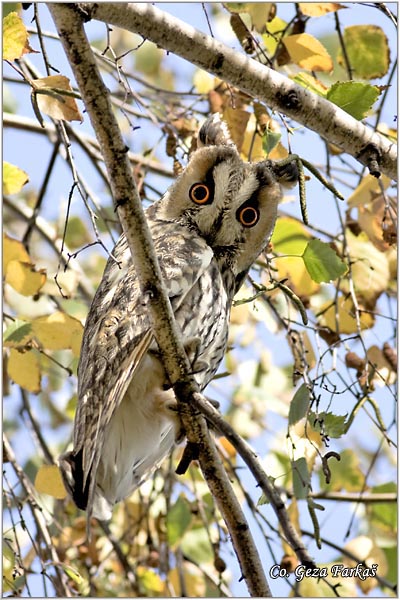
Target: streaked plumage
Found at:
x=124, y=425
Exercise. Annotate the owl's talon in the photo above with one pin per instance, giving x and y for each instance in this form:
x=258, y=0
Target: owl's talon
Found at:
x=190, y=452
x=214, y=403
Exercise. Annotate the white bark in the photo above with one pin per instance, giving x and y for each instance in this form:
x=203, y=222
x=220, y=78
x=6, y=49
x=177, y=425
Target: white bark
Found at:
x=257, y=80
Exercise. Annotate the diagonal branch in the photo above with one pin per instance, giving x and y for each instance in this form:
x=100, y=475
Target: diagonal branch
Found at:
x=278, y=92
x=68, y=19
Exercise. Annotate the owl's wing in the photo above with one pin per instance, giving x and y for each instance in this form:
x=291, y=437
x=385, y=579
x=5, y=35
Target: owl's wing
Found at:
x=117, y=336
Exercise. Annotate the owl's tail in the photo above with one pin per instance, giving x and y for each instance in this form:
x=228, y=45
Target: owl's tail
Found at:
x=72, y=474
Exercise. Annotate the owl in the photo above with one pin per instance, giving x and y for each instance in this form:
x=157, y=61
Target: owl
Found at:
x=208, y=229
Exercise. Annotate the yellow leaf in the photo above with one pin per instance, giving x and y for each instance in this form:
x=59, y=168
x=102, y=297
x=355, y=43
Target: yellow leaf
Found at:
x=260, y=13
x=23, y=277
x=293, y=268
x=48, y=480
x=346, y=316
x=290, y=236
x=237, y=120
x=279, y=152
x=13, y=250
x=252, y=147
x=227, y=446
x=15, y=37
x=203, y=81
x=64, y=107
x=13, y=178
x=370, y=267
x=319, y=9
x=194, y=583
x=150, y=580
x=23, y=368
x=383, y=371
x=367, y=190
x=59, y=331
x=307, y=52
x=371, y=218
x=364, y=548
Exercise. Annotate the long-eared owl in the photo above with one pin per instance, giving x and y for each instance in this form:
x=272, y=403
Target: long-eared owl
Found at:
x=208, y=229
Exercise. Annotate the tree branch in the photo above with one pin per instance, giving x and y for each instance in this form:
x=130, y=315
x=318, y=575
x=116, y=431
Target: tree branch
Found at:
x=87, y=143
x=68, y=19
x=277, y=91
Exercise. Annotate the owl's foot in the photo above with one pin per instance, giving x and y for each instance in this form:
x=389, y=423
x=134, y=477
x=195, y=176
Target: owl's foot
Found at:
x=192, y=349
x=190, y=452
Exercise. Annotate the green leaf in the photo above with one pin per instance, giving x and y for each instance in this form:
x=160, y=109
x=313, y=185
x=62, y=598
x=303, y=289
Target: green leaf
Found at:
x=367, y=50
x=299, y=405
x=178, y=520
x=270, y=139
x=9, y=7
x=196, y=545
x=72, y=573
x=309, y=82
x=322, y=263
x=345, y=474
x=354, y=97
x=15, y=333
x=383, y=515
x=301, y=478
x=289, y=237
x=392, y=561
x=334, y=426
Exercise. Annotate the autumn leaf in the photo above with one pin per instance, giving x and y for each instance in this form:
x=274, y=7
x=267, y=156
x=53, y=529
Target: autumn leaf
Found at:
x=370, y=267
x=23, y=277
x=150, y=580
x=319, y=9
x=367, y=51
x=237, y=120
x=367, y=190
x=56, y=98
x=48, y=480
x=58, y=331
x=15, y=37
x=307, y=52
x=13, y=250
x=342, y=316
x=14, y=179
x=23, y=369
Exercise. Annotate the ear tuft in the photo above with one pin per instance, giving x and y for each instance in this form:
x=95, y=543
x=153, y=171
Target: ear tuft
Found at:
x=286, y=174
x=214, y=132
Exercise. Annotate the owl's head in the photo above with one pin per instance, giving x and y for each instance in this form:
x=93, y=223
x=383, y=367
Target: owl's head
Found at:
x=230, y=203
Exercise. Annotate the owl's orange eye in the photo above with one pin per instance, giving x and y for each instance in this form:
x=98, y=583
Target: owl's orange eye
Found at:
x=200, y=193
x=248, y=216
